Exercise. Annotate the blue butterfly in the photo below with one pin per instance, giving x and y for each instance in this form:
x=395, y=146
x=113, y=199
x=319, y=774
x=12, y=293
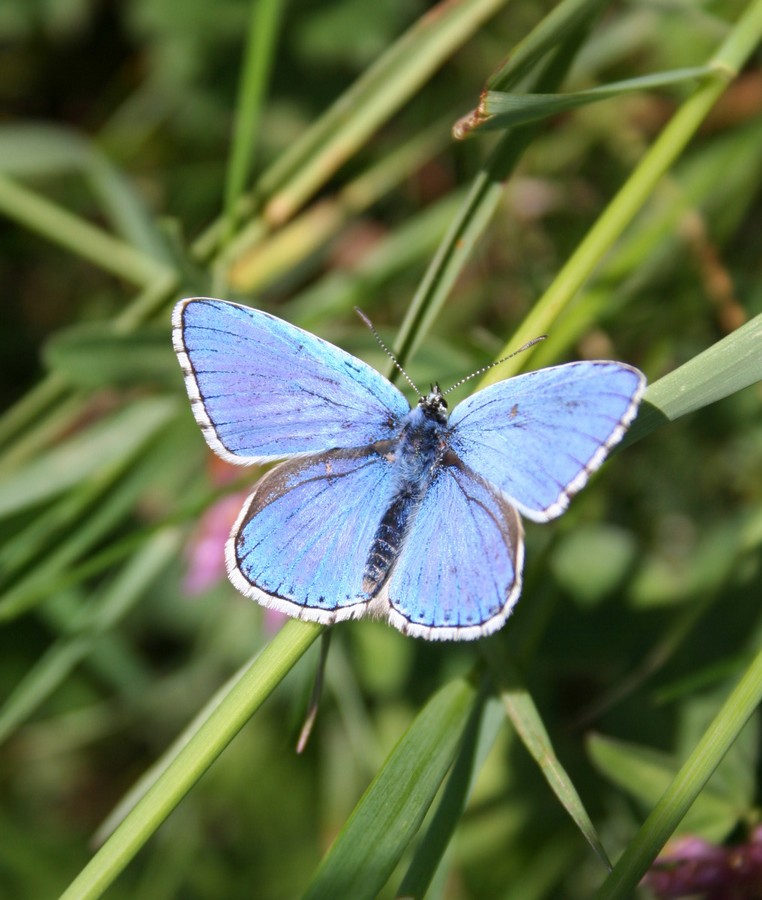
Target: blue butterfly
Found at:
x=379, y=509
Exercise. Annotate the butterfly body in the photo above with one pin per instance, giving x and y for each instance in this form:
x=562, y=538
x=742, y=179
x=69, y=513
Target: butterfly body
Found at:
x=415, y=457
x=380, y=509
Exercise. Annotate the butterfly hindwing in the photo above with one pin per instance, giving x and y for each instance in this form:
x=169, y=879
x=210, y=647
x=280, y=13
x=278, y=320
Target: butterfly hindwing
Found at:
x=459, y=571
x=539, y=436
x=263, y=389
x=302, y=541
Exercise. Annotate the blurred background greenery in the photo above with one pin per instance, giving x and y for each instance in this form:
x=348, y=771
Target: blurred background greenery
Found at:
x=641, y=606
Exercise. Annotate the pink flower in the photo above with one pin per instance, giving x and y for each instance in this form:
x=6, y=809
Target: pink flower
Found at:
x=205, y=552
x=691, y=866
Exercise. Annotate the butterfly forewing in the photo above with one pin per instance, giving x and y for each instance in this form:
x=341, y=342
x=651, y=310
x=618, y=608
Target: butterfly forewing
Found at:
x=262, y=389
x=539, y=436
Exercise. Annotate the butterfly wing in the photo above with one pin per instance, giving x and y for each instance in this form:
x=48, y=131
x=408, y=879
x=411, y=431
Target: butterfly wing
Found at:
x=263, y=389
x=539, y=436
x=302, y=540
x=458, y=574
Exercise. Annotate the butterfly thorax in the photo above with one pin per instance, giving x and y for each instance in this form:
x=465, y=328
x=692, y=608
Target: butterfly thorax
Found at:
x=422, y=440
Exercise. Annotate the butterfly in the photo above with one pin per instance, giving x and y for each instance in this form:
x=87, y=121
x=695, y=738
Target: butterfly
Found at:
x=377, y=509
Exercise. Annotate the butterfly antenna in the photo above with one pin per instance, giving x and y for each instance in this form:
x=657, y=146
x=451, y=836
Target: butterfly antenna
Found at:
x=496, y=363
x=387, y=351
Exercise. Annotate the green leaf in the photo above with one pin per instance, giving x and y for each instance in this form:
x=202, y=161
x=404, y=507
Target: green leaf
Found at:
x=391, y=810
x=726, y=367
x=95, y=354
x=501, y=110
x=480, y=736
x=104, y=444
x=526, y=719
x=646, y=773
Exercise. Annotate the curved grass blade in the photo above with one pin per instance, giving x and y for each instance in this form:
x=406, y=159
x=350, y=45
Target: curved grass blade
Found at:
x=266, y=670
x=686, y=786
x=525, y=717
x=391, y=810
x=500, y=110
x=730, y=365
x=480, y=736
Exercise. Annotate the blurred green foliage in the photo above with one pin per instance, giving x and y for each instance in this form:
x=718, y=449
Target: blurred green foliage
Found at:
x=640, y=608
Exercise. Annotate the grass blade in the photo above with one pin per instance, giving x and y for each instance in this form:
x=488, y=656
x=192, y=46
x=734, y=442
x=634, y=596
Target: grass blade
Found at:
x=501, y=110
x=390, y=812
x=257, y=682
x=686, y=786
x=478, y=740
x=526, y=719
x=261, y=42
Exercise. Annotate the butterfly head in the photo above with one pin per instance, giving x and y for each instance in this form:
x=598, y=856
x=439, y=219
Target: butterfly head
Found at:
x=434, y=405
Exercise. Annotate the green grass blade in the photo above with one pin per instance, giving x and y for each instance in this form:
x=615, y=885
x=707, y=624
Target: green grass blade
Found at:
x=256, y=683
x=156, y=771
x=645, y=774
x=733, y=53
x=45, y=150
x=104, y=444
x=95, y=509
x=525, y=717
x=252, y=260
x=359, y=112
x=501, y=110
x=686, y=786
x=96, y=354
x=381, y=90
x=730, y=365
x=562, y=22
x=77, y=235
x=261, y=41
x=408, y=246
x=474, y=216
x=391, y=810
x=480, y=736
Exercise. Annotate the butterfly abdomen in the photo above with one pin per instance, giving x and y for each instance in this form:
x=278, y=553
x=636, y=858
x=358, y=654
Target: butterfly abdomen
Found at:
x=388, y=541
